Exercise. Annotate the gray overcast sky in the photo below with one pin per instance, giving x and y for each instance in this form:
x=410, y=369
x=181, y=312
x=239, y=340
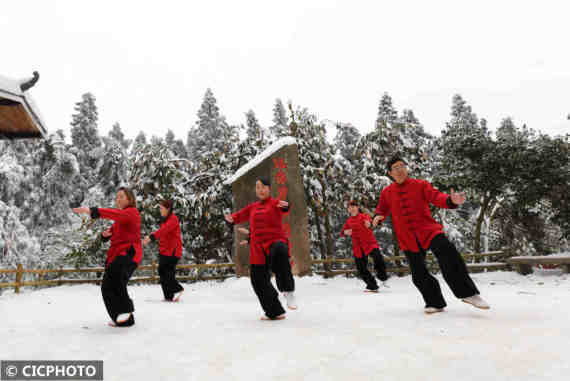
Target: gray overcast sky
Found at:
x=149, y=62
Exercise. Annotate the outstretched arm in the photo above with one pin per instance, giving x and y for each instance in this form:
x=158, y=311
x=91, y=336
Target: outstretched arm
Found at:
x=239, y=216
x=442, y=200
x=119, y=215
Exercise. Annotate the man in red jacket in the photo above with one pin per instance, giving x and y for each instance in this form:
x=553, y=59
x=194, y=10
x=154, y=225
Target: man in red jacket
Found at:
x=268, y=250
x=169, y=237
x=358, y=226
x=407, y=200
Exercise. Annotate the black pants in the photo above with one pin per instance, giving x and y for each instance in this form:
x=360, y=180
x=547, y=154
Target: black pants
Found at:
x=379, y=267
x=114, y=287
x=278, y=262
x=452, y=268
x=167, y=273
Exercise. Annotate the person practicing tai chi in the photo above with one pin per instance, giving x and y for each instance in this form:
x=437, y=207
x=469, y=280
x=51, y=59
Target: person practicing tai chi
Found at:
x=123, y=256
x=358, y=226
x=268, y=250
x=170, y=251
x=407, y=200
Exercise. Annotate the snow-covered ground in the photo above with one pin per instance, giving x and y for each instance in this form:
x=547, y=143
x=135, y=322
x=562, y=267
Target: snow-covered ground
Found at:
x=338, y=333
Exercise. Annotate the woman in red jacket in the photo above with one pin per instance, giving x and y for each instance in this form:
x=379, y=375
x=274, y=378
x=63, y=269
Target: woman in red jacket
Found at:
x=407, y=200
x=170, y=251
x=123, y=256
x=358, y=226
x=268, y=250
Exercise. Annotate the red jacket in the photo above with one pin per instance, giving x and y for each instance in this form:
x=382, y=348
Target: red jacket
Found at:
x=169, y=237
x=126, y=231
x=265, y=227
x=363, y=239
x=408, y=203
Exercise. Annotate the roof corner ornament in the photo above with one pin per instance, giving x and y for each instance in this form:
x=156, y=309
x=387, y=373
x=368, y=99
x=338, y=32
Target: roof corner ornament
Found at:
x=24, y=86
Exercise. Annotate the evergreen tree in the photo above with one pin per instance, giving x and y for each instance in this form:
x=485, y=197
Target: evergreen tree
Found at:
x=85, y=135
x=117, y=134
x=211, y=132
x=280, y=127
x=175, y=145
x=212, y=150
x=112, y=172
x=139, y=140
x=386, y=112
x=169, y=139
x=469, y=161
x=255, y=134
x=346, y=140
x=17, y=245
x=324, y=195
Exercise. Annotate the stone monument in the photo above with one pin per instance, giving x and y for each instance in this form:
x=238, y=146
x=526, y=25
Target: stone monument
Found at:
x=279, y=163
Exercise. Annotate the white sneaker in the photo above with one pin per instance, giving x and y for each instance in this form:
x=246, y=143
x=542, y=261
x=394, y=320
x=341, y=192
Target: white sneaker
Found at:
x=177, y=296
x=291, y=300
x=123, y=317
x=477, y=301
x=432, y=310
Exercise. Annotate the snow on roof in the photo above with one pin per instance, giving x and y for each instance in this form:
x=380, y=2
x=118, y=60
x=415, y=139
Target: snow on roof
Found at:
x=287, y=141
x=10, y=89
x=11, y=86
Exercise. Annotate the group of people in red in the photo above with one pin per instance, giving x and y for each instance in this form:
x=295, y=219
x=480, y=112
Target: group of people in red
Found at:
x=406, y=200
x=125, y=253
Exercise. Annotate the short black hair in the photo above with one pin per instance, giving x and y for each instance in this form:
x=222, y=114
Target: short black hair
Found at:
x=393, y=160
x=265, y=181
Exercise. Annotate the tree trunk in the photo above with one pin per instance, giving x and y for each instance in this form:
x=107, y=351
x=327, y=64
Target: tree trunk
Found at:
x=326, y=266
x=326, y=216
x=480, y=218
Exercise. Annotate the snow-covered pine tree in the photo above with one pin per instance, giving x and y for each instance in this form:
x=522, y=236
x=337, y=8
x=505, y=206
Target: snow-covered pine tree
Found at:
x=255, y=134
x=280, y=127
x=211, y=132
x=318, y=168
x=387, y=113
x=175, y=145
x=17, y=245
x=117, y=134
x=139, y=140
x=255, y=141
x=346, y=140
x=112, y=171
x=85, y=136
x=212, y=151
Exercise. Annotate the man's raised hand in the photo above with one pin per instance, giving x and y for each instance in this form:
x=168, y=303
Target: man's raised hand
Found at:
x=377, y=220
